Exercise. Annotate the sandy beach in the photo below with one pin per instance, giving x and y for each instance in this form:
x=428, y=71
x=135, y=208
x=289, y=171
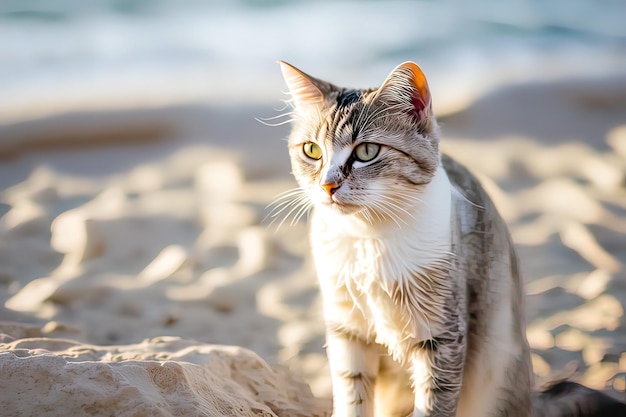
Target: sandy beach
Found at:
x=120, y=226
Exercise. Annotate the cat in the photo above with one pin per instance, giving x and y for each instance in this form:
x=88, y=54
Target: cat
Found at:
x=422, y=296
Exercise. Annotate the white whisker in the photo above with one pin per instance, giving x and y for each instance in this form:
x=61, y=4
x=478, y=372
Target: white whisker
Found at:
x=291, y=202
x=264, y=121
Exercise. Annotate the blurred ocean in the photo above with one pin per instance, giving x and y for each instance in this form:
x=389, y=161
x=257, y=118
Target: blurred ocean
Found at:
x=68, y=55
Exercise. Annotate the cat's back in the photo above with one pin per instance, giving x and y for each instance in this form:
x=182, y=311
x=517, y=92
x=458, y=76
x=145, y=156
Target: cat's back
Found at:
x=468, y=185
x=497, y=348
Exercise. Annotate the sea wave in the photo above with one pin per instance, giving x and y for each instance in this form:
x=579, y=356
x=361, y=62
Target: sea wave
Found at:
x=68, y=54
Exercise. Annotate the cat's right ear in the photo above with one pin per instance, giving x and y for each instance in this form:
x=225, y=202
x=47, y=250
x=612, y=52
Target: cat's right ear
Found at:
x=304, y=89
x=406, y=89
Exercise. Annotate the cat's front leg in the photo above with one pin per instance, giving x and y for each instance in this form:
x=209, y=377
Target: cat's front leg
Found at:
x=437, y=372
x=353, y=368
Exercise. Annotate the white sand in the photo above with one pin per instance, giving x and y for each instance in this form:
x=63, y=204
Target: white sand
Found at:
x=133, y=225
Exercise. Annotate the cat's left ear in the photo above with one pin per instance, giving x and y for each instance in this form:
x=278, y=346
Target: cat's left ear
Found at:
x=306, y=91
x=407, y=88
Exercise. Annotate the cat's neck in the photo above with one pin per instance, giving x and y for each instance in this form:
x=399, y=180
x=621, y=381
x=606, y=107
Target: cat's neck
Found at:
x=427, y=221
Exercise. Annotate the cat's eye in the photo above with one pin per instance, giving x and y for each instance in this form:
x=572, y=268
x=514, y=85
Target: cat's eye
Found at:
x=365, y=152
x=312, y=150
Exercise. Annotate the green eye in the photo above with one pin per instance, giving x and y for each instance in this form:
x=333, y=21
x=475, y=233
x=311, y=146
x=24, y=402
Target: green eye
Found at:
x=312, y=150
x=365, y=152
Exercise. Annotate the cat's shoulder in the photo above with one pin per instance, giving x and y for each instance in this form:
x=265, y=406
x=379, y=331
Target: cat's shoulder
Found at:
x=466, y=183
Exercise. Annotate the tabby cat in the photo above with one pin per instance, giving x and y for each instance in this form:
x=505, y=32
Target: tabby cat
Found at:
x=422, y=296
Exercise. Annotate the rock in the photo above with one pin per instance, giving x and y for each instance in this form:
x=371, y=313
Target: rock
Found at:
x=159, y=377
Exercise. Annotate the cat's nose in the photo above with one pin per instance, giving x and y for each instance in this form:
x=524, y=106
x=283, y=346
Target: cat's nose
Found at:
x=330, y=188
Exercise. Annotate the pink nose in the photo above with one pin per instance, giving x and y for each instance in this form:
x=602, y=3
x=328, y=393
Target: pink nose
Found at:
x=330, y=188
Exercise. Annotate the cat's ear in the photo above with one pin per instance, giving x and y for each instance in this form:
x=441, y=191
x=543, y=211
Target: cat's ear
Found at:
x=407, y=90
x=306, y=91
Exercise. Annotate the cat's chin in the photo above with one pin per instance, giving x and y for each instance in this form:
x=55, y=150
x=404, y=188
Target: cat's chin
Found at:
x=341, y=208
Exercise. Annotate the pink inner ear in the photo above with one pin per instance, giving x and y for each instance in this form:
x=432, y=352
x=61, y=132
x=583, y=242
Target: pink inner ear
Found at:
x=419, y=106
x=421, y=93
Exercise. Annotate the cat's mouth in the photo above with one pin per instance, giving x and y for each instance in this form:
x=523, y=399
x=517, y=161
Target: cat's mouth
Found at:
x=341, y=207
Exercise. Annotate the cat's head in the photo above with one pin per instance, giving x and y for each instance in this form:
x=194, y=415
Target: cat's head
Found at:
x=365, y=151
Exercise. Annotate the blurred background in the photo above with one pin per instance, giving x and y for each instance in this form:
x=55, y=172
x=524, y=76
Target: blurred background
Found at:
x=134, y=176
x=59, y=55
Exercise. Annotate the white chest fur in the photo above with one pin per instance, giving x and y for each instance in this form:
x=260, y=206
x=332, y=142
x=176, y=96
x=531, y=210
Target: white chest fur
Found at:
x=381, y=282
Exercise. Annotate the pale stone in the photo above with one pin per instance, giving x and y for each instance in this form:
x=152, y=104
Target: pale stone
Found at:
x=160, y=377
